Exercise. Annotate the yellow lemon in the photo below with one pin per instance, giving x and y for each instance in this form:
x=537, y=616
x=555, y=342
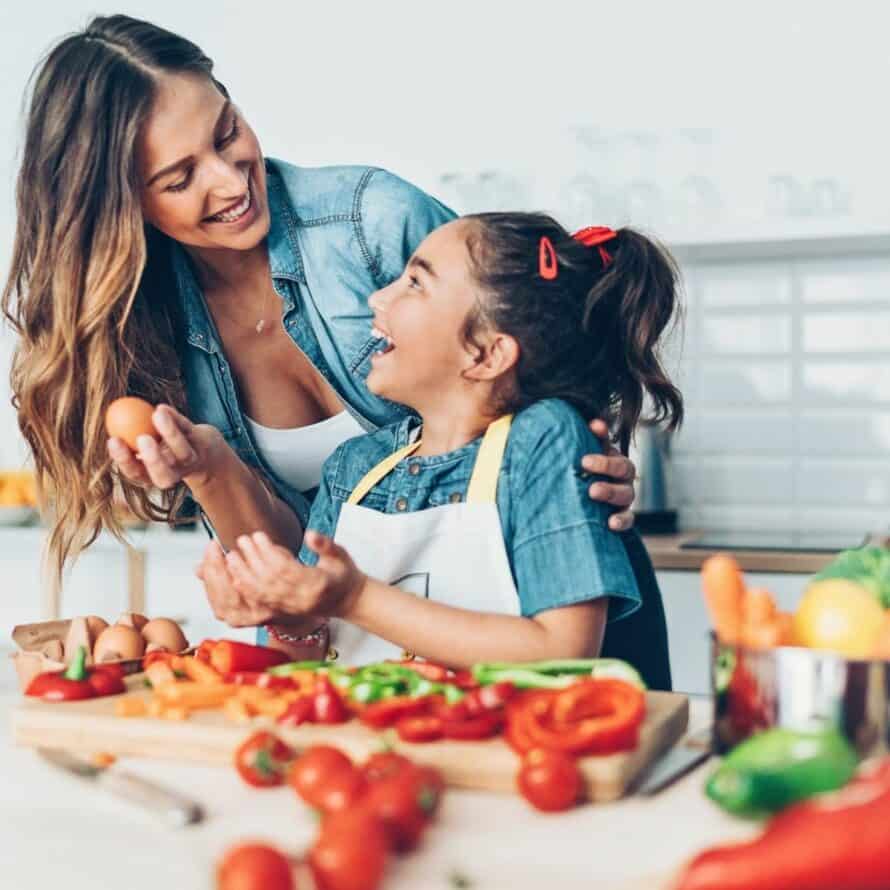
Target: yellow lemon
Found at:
x=839, y=615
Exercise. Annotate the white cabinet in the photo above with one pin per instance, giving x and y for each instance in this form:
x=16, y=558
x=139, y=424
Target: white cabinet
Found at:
x=689, y=627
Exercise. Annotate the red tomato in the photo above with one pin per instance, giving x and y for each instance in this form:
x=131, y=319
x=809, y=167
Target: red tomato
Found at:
x=340, y=789
x=254, y=867
x=398, y=803
x=350, y=853
x=385, y=765
x=310, y=771
x=549, y=780
x=262, y=760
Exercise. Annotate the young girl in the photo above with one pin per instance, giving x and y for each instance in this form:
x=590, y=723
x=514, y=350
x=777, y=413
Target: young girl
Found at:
x=465, y=534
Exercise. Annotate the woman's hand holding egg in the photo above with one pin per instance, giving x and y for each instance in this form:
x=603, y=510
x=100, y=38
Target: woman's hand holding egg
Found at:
x=160, y=447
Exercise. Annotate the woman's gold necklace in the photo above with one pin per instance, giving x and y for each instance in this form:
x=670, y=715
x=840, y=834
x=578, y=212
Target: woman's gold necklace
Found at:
x=260, y=325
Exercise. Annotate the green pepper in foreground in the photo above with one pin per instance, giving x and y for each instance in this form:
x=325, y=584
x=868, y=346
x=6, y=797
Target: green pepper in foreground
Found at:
x=778, y=767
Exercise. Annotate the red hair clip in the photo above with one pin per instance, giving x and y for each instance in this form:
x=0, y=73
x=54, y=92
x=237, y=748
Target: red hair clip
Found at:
x=548, y=268
x=596, y=236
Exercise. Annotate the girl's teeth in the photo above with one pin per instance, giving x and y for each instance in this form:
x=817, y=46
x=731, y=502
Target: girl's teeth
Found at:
x=236, y=212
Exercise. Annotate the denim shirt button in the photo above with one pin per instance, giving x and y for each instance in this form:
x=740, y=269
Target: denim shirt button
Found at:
x=402, y=504
x=455, y=497
x=414, y=468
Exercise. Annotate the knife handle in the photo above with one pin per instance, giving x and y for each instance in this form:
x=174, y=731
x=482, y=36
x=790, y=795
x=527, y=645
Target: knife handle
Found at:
x=176, y=809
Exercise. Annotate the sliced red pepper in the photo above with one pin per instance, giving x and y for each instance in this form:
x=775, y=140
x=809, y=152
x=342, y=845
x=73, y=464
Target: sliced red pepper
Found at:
x=595, y=716
x=260, y=679
x=204, y=650
x=437, y=673
x=231, y=656
x=464, y=679
x=420, y=729
x=387, y=711
x=300, y=711
x=489, y=698
x=328, y=706
x=481, y=726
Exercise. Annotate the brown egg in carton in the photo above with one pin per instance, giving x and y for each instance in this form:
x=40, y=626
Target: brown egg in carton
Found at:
x=50, y=645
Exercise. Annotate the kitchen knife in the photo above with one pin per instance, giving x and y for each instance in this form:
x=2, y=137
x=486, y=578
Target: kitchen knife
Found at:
x=176, y=809
x=677, y=762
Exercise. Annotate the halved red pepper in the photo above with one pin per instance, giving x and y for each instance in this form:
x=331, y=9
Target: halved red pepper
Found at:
x=231, y=656
x=480, y=726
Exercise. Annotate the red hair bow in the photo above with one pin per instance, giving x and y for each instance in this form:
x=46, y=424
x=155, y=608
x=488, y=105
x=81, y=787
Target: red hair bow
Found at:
x=596, y=236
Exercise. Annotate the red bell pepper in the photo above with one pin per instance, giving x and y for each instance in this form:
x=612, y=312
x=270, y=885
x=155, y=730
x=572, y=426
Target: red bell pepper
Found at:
x=230, y=657
x=76, y=682
x=387, y=711
x=488, y=698
x=481, y=726
x=420, y=729
x=831, y=842
x=300, y=711
x=594, y=716
x=327, y=704
x=261, y=680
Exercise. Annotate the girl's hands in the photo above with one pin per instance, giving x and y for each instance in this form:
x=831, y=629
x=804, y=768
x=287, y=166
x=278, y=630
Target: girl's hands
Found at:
x=227, y=603
x=266, y=576
x=614, y=464
x=188, y=452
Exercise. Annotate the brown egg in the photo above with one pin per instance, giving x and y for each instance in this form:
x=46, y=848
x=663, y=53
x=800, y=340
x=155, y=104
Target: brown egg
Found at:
x=95, y=625
x=118, y=643
x=132, y=619
x=166, y=633
x=128, y=419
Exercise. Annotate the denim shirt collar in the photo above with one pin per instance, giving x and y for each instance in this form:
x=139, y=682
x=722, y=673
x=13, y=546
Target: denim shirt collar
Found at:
x=285, y=262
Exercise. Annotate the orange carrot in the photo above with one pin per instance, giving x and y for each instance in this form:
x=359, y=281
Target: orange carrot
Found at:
x=189, y=694
x=200, y=672
x=758, y=606
x=724, y=589
x=130, y=706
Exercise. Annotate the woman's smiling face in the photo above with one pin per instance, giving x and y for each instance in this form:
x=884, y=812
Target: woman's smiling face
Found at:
x=423, y=315
x=201, y=168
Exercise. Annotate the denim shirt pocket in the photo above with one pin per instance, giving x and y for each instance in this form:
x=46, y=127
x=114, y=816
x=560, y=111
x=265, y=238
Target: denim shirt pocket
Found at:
x=373, y=500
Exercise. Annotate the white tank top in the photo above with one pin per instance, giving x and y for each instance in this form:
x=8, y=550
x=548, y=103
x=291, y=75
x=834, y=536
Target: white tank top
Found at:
x=297, y=455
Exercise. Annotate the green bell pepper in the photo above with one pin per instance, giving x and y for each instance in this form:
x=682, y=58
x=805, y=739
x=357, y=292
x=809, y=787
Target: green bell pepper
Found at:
x=779, y=766
x=555, y=673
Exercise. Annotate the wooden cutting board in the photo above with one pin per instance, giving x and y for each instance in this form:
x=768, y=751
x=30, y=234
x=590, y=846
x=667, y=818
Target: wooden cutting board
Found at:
x=211, y=738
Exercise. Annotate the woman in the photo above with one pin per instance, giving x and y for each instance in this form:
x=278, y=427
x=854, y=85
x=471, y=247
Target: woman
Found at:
x=463, y=534
x=159, y=254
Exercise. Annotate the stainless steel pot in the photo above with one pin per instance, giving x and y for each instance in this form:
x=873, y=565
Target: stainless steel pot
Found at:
x=799, y=689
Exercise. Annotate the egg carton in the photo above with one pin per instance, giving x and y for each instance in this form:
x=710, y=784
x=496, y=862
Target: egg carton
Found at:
x=49, y=646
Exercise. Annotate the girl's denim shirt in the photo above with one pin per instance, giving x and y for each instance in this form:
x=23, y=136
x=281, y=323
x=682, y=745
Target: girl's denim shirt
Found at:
x=558, y=542
x=337, y=234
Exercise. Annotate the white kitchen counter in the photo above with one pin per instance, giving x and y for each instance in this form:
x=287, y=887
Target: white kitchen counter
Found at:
x=60, y=831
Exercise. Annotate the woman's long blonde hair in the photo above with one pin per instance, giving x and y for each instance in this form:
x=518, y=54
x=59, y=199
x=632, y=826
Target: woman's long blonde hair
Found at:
x=89, y=291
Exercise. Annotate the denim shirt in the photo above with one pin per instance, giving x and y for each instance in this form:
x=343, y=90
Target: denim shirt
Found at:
x=557, y=539
x=337, y=234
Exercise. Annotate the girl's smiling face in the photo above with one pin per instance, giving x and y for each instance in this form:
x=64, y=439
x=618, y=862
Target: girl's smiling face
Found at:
x=423, y=316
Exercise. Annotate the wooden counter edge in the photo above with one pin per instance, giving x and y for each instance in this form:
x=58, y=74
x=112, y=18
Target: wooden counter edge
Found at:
x=666, y=554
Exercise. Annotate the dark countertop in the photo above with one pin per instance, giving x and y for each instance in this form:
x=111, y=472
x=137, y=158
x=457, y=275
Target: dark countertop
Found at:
x=666, y=553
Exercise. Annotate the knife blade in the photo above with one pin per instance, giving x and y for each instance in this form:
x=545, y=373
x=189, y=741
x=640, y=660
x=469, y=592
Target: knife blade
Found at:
x=676, y=763
x=176, y=809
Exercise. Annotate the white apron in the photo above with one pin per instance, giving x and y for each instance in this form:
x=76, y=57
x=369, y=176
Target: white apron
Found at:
x=453, y=554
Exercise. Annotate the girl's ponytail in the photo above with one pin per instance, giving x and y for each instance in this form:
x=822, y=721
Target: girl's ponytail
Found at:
x=627, y=309
x=588, y=312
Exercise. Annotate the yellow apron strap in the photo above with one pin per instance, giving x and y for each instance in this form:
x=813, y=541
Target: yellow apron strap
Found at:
x=374, y=475
x=484, y=481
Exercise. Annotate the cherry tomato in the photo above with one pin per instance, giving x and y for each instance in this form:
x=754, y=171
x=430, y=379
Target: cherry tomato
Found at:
x=398, y=803
x=340, y=789
x=309, y=772
x=549, y=780
x=262, y=760
x=385, y=765
x=351, y=851
x=254, y=867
